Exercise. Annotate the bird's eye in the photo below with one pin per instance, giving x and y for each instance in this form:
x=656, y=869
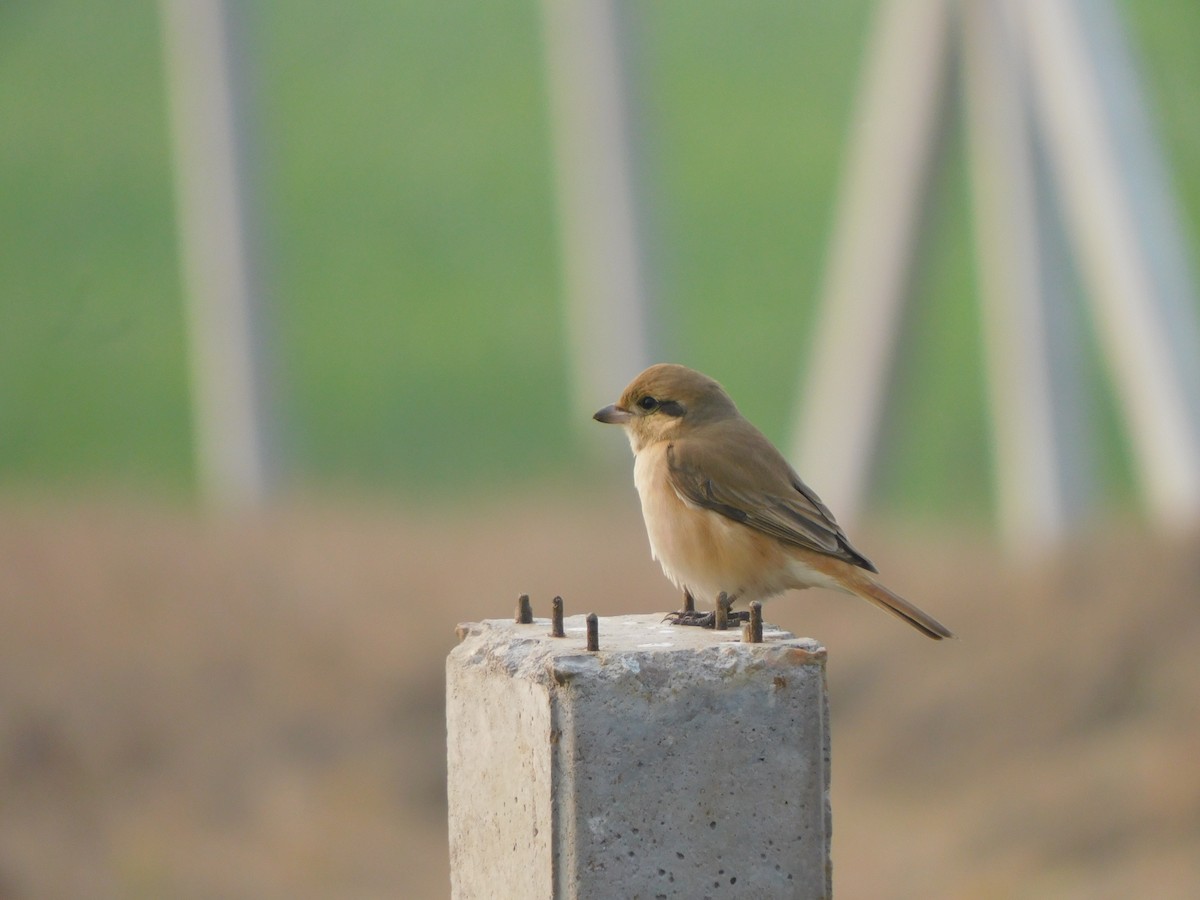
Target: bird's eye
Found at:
x=648, y=403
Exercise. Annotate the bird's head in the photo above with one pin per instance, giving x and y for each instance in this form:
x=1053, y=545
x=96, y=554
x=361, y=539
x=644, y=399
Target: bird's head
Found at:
x=667, y=401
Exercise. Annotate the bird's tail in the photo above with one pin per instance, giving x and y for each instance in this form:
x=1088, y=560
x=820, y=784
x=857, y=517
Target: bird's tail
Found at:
x=870, y=589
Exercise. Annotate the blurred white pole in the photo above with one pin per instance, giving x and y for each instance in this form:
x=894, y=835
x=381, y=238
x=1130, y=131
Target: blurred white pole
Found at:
x=225, y=321
x=894, y=139
x=1025, y=402
x=1064, y=65
x=1131, y=260
x=604, y=266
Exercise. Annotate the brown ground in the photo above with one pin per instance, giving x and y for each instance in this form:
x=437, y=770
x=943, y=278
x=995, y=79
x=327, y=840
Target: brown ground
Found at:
x=195, y=708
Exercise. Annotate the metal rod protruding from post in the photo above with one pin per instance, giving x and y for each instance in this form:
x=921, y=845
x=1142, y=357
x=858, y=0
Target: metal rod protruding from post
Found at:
x=556, y=618
x=755, y=622
x=593, y=632
x=524, y=610
x=721, y=615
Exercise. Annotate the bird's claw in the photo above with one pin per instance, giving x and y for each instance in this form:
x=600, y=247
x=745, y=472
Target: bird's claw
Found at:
x=704, y=619
x=691, y=617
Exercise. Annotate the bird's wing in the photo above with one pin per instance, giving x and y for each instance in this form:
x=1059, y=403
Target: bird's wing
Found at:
x=738, y=473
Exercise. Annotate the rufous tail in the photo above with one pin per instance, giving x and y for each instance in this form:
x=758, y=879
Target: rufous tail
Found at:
x=870, y=589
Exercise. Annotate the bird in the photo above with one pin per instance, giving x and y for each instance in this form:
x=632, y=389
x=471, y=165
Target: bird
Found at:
x=724, y=511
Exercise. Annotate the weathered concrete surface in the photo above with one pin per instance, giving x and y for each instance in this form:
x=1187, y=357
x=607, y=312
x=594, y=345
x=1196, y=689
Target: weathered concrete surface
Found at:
x=674, y=762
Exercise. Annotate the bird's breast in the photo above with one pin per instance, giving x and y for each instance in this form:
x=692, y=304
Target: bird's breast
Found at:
x=701, y=550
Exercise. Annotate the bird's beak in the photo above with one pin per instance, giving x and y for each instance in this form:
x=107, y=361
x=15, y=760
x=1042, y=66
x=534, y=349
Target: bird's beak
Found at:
x=612, y=415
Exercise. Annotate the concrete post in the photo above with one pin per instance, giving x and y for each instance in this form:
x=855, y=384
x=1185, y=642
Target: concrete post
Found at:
x=672, y=762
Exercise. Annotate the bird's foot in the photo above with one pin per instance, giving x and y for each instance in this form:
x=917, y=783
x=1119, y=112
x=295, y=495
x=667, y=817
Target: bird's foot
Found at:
x=704, y=619
x=691, y=617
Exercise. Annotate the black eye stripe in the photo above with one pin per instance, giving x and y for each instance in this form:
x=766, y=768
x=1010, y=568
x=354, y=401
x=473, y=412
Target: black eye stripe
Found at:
x=671, y=408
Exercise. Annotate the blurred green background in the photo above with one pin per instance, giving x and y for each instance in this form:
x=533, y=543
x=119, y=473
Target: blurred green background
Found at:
x=404, y=163
x=252, y=706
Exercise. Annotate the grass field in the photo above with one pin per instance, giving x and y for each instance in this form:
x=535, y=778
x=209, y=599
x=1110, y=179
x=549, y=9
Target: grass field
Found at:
x=404, y=153
x=198, y=706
